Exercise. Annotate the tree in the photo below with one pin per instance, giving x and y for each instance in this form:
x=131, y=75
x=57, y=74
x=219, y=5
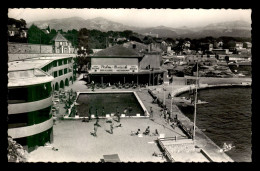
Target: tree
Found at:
x=148, y=40
x=23, y=22
x=37, y=36
x=135, y=38
x=48, y=28
x=170, y=40
x=127, y=33
x=245, y=45
x=83, y=39
x=229, y=44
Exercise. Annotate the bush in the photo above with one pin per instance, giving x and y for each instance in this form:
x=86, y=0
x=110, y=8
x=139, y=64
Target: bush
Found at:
x=16, y=152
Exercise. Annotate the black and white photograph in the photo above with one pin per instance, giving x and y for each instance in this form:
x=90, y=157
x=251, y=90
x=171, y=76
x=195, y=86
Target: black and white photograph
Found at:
x=129, y=85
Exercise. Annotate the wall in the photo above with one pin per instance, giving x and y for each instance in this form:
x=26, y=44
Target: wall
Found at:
x=29, y=48
x=114, y=61
x=17, y=56
x=152, y=59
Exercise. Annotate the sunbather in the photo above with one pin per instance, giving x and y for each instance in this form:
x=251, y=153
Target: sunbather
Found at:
x=147, y=131
x=135, y=133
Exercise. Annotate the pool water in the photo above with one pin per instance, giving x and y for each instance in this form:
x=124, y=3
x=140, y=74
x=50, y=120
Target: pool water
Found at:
x=110, y=102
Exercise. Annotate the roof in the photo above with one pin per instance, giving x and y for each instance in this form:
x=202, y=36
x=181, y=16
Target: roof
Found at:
x=10, y=28
x=140, y=72
x=59, y=38
x=28, y=77
x=139, y=46
x=111, y=158
x=26, y=64
x=117, y=51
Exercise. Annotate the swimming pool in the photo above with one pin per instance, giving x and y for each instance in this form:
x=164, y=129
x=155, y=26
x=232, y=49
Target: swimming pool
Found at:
x=111, y=102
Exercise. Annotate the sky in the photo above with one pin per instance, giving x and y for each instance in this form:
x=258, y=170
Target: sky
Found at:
x=138, y=17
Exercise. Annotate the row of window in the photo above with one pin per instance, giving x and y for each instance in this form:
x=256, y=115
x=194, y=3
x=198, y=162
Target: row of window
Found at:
x=40, y=139
x=56, y=63
x=30, y=118
x=61, y=72
x=29, y=94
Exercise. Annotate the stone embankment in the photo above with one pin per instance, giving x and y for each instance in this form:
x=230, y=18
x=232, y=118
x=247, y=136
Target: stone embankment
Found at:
x=212, y=151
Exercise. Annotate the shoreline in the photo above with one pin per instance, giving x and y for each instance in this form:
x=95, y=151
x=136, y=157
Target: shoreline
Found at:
x=85, y=145
x=201, y=138
x=206, y=86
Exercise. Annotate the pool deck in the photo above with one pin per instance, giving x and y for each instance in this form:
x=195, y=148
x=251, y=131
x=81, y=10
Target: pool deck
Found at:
x=74, y=142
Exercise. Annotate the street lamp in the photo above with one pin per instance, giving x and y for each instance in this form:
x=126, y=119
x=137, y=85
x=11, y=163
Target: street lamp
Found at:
x=195, y=104
x=171, y=98
x=163, y=96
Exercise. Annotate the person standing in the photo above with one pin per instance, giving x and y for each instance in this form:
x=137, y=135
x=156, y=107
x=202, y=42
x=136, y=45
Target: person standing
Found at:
x=96, y=115
x=129, y=110
x=118, y=117
x=95, y=130
x=116, y=109
x=103, y=112
x=162, y=112
x=151, y=112
x=93, y=85
x=125, y=111
x=97, y=118
x=89, y=113
x=111, y=128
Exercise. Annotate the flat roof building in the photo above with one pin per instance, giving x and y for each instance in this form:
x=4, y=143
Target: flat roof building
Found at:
x=31, y=82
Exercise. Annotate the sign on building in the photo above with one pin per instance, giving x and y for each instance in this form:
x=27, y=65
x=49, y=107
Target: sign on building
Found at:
x=114, y=68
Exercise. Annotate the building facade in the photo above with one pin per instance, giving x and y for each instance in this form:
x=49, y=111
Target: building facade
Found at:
x=30, y=120
x=30, y=87
x=62, y=45
x=118, y=64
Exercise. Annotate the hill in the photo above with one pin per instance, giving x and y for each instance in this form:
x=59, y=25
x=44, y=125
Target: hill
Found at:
x=237, y=28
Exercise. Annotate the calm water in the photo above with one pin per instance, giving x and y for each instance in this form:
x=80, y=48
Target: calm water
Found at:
x=226, y=118
x=109, y=101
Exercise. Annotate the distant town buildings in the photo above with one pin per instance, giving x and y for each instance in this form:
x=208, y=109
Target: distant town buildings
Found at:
x=17, y=28
x=151, y=34
x=239, y=45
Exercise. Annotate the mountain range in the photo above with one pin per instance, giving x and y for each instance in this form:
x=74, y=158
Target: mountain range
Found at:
x=237, y=28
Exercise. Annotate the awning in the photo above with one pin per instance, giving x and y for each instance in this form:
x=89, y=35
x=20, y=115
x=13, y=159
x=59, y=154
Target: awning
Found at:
x=111, y=158
x=128, y=73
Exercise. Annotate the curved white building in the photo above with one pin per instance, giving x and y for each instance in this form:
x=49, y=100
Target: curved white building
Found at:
x=30, y=87
x=29, y=106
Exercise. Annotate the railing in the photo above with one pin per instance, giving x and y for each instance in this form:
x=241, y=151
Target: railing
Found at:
x=165, y=150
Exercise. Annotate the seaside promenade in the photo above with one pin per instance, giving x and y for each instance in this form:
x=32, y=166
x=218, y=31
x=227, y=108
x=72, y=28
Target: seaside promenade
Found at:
x=75, y=144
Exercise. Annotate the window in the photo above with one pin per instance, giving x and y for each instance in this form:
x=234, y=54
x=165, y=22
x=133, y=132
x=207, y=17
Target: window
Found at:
x=65, y=61
x=60, y=62
x=60, y=72
x=30, y=118
x=54, y=63
x=55, y=74
x=65, y=71
x=29, y=94
x=44, y=69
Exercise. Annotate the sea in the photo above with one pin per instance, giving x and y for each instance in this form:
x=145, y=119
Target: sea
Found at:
x=226, y=118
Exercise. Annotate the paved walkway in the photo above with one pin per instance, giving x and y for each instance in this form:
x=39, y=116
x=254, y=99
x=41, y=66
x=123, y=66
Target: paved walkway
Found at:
x=201, y=140
x=74, y=142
